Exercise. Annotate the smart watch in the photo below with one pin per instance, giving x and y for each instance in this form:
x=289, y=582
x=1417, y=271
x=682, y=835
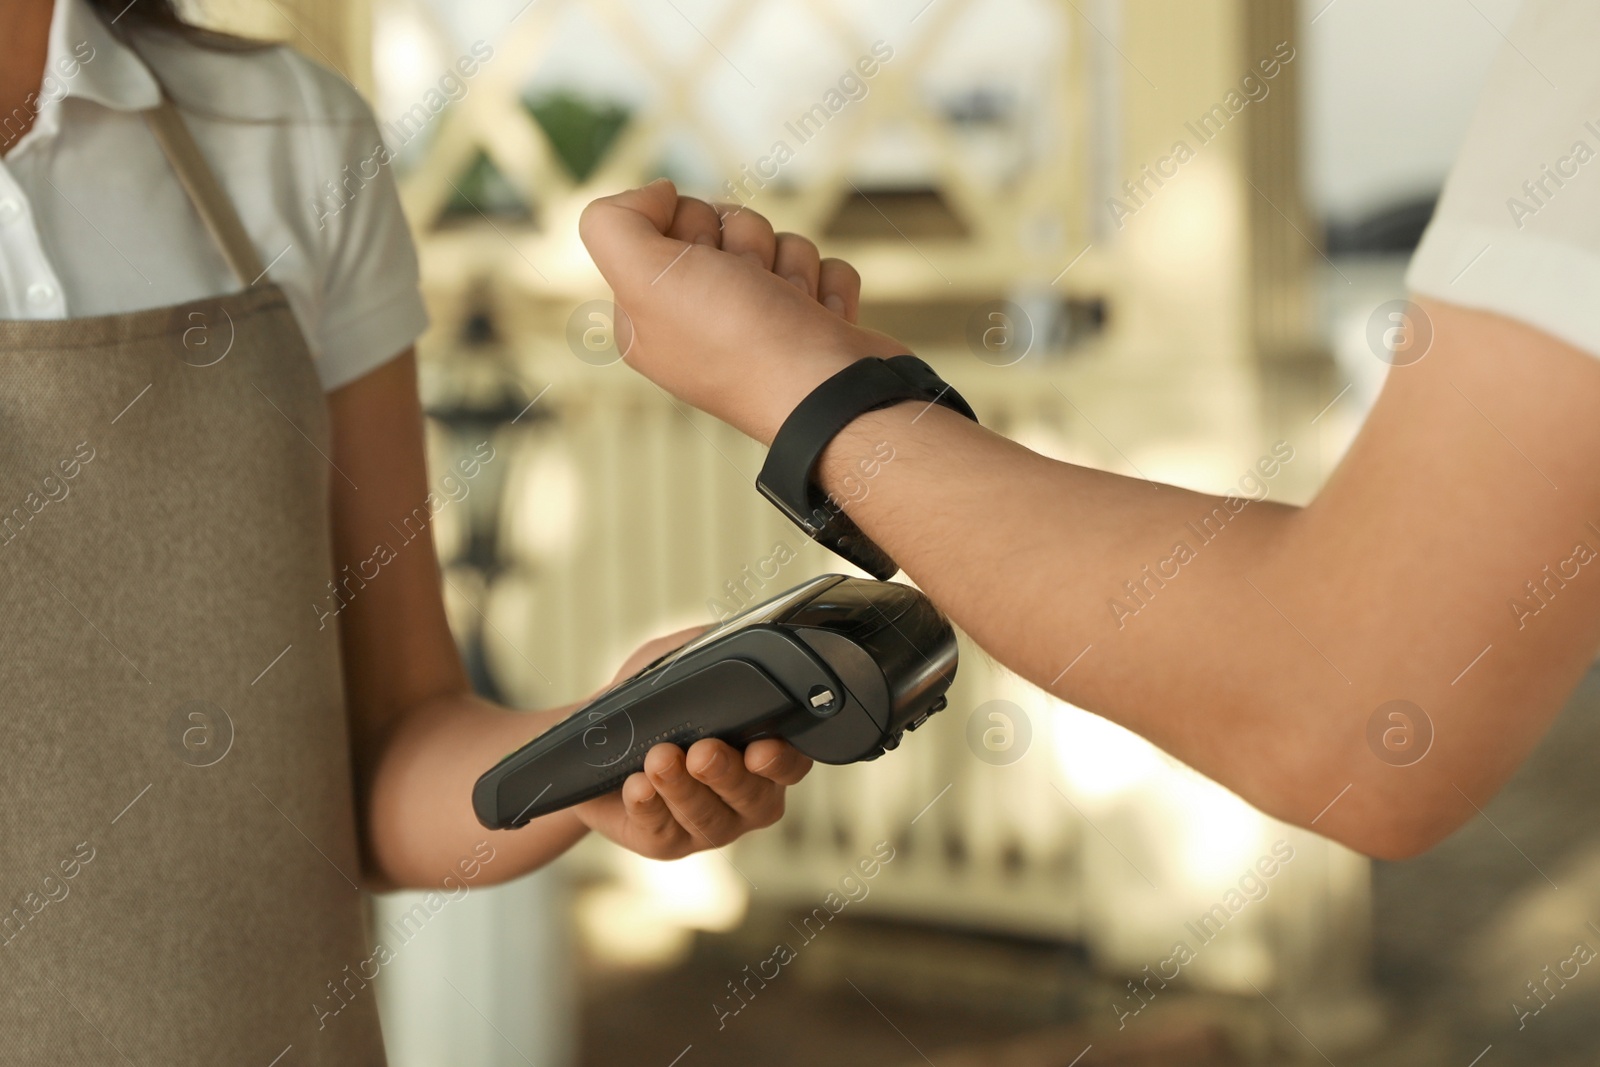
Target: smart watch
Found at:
x=788, y=478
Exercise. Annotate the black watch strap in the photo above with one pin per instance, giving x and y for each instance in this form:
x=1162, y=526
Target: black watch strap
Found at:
x=788, y=476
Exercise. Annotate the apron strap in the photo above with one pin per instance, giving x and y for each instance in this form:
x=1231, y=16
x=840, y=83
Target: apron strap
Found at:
x=204, y=191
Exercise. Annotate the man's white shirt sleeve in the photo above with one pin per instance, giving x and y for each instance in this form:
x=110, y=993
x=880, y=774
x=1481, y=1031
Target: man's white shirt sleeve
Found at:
x=1517, y=229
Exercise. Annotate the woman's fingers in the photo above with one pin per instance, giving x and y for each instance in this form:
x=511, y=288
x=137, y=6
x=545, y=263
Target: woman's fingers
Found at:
x=777, y=761
x=797, y=262
x=705, y=798
x=757, y=801
x=839, y=289
x=747, y=233
x=645, y=808
x=695, y=805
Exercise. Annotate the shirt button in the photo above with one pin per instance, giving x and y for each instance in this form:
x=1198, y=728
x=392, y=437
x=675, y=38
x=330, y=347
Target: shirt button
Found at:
x=10, y=210
x=40, y=293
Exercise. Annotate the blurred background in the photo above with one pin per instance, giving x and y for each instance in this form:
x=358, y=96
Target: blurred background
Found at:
x=1151, y=236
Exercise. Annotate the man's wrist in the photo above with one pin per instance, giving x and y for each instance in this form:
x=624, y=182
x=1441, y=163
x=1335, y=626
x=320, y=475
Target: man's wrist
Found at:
x=804, y=376
x=858, y=452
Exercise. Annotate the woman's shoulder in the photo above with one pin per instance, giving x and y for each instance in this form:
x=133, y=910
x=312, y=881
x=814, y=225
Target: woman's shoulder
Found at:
x=300, y=154
x=253, y=82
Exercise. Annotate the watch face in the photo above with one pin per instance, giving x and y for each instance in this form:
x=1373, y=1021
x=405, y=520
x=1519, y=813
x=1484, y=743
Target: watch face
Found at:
x=767, y=611
x=777, y=501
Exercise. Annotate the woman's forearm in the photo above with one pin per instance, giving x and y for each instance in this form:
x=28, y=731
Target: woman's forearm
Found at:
x=419, y=821
x=419, y=739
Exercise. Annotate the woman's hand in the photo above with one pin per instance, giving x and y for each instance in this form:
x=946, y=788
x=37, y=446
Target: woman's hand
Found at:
x=686, y=802
x=717, y=309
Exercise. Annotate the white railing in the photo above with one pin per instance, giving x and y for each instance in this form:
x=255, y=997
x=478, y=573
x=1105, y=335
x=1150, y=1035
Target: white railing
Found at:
x=628, y=513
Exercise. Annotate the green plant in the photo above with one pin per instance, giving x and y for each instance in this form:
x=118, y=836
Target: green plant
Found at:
x=580, y=130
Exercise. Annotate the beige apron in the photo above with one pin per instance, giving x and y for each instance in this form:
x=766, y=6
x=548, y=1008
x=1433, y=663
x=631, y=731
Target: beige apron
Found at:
x=178, y=858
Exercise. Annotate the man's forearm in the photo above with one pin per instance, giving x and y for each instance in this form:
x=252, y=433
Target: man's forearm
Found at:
x=1445, y=563
x=1260, y=652
x=1121, y=595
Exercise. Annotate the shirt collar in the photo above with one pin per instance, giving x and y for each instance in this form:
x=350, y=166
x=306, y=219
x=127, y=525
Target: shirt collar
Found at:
x=87, y=60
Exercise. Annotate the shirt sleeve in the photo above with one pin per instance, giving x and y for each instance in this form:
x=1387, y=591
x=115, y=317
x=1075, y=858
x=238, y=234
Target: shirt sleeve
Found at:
x=1517, y=229
x=369, y=304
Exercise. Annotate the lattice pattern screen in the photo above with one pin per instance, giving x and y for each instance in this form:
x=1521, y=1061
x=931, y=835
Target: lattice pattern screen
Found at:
x=970, y=118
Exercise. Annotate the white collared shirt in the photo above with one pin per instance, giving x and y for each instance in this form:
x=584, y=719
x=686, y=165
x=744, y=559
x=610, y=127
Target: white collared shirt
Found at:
x=1517, y=229
x=93, y=220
